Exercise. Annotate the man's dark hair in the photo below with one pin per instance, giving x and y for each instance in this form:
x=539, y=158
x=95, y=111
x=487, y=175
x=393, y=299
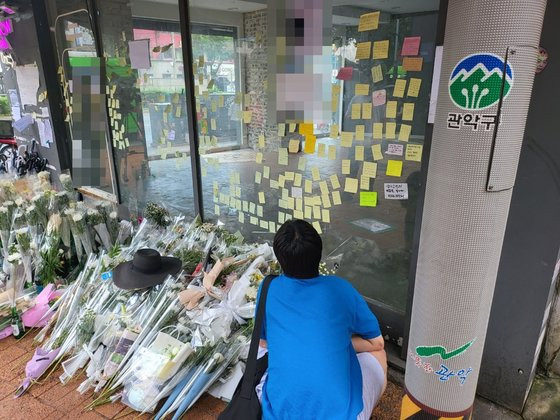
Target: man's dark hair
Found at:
x=298, y=247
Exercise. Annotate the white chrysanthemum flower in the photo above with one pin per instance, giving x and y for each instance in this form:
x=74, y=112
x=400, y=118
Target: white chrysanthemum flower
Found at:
x=54, y=223
x=21, y=231
x=3, y=209
x=15, y=257
x=77, y=217
x=19, y=201
x=251, y=293
x=8, y=203
x=113, y=215
x=64, y=178
x=37, y=197
x=30, y=209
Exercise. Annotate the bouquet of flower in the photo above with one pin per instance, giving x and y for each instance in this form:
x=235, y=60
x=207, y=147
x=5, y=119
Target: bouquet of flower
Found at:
x=5, y=227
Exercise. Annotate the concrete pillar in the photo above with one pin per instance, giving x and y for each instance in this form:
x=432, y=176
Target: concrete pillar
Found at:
x=488, y=66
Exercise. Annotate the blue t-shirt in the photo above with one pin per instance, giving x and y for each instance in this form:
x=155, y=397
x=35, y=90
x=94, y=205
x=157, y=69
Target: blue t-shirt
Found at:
x=313, y=371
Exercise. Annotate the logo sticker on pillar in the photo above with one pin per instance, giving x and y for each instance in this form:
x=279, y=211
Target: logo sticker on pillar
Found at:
x=428, y=351
x=476, y=84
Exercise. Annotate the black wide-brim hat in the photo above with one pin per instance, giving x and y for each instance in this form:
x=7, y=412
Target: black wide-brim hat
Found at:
x=147, y=269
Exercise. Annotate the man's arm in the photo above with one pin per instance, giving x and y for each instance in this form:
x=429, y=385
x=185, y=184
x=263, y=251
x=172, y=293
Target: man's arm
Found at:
x=362, y=345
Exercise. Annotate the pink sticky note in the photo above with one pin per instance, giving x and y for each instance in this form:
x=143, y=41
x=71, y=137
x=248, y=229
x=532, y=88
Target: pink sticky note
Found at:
x=379, y=97
x=345, y=73
x=411, y=45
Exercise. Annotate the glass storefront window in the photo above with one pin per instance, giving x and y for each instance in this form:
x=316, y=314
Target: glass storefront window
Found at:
x=333, y=121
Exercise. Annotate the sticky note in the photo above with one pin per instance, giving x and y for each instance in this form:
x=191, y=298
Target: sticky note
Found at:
x=324, y=187
x=336, y=198
x=293, y=146
x=408, y=111
x=213, y=124
x=297, y=180
x=369, y=22
x=292, y=127
x=259, y=157
x=326, y=201
x=369, y=169
x=261, y=140
x=310, y=142
x=377, y=73
x=247, y=116
x=274, y=184
x=326, y=215
x=412, y=63
x=351, y=185
x=411, y=45
x=359, y=153
x=308, y=212
x=332, y=153
x=394, y=168
x=390, y=130
x=414, y=87
x=305, y=128
x=266, y=172
x=281, y=183
x=366, y=111
x=346, y=166
x=308, y=186
x=321, y=150
x=282, y=156
x=391, y=109
x=414, y=152
x=377, y=130
x=258, y=177
x=334, y=181
x=404, y=134
x=261, y=197
x=241, y=217
x=364, y=182
x=361, y=89
x=315, y=173
x=381, y=49
x=360, y=132
x=363, y=50
x=400, y=86
x=396, y=191
x=302, y=163
x=334, y=131
x=281, y=129
x=346, y=138
x=345, y=73
x=317, y=227
x=356, y=111
x=289, y=175
x=298, y=214
x=379, y=97
x=368, y=198
x=395, y=149
x=376, y=152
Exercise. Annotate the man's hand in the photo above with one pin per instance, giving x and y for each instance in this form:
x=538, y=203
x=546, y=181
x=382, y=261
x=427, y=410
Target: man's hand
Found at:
x=362, y=345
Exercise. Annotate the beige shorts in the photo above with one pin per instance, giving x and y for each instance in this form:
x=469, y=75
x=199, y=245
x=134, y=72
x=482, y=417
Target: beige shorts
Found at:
x=373, y=381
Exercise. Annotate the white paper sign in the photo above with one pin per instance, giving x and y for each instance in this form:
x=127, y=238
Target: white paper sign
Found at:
x=139, y=53
x=395, y=149
x=28, y=83
x=396, y=191
x=435, y=84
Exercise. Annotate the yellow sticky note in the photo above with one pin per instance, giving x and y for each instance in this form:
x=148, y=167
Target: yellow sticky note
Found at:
x=308, y=186
x=359, y=153
x=414, y=87
x=305, y=128
x=317, y=227
x=292, y=127
x=332, y=152
x=360, y=132
x=408, y=111
x=258, y=177
x=356, y=111
x=404, y=134
x=266, y=172
x=259, y=157
x=221, y=100
x=394, y=168
x=390, y=130
x=400, y=86
x=298, y=214
x=377, y=73
x=363, y=50
x=380, y=49
x=377, y=130
x=336, y=198
x=293, y=146
x=376, y=152
x=334, y=181
x=247, y=116
x=346, y=166
x=326, y=215
x=369, y=22
x=281, y=129
x=391, y=109
x=412, y=63
x=361, y=89
x=261, y=140
x=241, y=217
x=308, y=212
x=315, y=173
x=346, y=138
x=261, y=197
x=301, y=163
x=369, y=169
x=283, y=156
x=321, y=150
x=324, y=187
x=310, y=142
x=351, y=185
x=297, y=180
x=366, y=111
x=326, y=201
x=334, y=131
x=364, y=182
x=414, y=152
x=178, y=112
x=368, y=198
x=213, y=124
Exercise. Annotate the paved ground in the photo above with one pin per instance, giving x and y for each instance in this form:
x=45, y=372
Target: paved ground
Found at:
x=51, y=400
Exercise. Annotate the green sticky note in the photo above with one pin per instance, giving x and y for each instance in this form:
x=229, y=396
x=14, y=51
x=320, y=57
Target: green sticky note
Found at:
x=368, y=198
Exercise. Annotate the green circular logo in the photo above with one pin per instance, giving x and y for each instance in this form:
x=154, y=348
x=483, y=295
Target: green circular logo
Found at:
x=476, y=81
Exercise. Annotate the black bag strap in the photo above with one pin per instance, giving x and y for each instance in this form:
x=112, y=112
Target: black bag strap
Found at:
x=247, y=386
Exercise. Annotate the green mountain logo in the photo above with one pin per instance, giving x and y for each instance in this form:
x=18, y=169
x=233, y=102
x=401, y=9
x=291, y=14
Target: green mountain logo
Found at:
x=476, y=81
